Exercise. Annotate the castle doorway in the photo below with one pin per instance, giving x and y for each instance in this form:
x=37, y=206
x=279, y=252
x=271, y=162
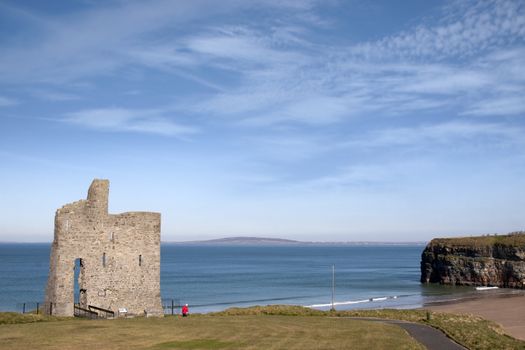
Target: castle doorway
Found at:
x=80, y=296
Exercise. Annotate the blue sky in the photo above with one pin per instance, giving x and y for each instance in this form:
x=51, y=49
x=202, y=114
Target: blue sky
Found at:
x=315, y=120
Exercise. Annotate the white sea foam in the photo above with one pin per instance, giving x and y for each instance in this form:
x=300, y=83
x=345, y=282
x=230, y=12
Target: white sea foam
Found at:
x=379, y=299
x=352, y=302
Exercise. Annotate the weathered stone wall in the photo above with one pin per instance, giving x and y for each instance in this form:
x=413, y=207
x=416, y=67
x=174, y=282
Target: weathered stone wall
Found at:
x=476, y=261
x=120, y=257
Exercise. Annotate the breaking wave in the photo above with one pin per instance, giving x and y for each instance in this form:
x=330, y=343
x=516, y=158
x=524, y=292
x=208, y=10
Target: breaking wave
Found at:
x=362, y=301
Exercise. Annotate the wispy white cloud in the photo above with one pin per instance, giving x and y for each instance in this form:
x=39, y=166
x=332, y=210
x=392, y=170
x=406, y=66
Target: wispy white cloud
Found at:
x=288, y=147
x=400, y=143
x=257, y=81
x=313, y=110
x=411, y=151
x=426, y=68
x=468, y=27
x=44, y=161
x=446, y=80
x=240, y=45
x=276, y=74
x=364, y=176
x=126, y=120
x=7, y=101
x=469, y=60
x=454, y=134
x=93, y=42
x=52, y=95
x=504, y=106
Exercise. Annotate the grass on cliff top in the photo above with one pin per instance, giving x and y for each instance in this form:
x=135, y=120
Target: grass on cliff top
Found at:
x=512, y=239
x=207, y=332
x=471, y=331
x=259, y=327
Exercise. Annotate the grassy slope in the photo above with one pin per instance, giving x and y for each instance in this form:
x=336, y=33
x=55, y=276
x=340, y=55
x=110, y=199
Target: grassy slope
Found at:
x=269, y=327
x=207, y=332
x=471, y=331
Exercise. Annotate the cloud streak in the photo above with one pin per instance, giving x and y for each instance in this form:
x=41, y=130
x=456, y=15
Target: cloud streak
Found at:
x=469, y=63
x=127, y=120
x=6, y=101
x=449, y=133
x=279, y=76
x=466, y=61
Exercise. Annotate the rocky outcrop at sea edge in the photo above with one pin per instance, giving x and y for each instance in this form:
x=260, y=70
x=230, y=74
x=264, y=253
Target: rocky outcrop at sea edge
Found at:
x=491, y=260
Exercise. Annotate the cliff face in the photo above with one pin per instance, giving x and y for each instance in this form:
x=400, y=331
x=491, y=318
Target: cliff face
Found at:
x=476, y=261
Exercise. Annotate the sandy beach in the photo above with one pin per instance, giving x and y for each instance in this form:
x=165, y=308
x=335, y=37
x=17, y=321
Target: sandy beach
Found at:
x=508, y=311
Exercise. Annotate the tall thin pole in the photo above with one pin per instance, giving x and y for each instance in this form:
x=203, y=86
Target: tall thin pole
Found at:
x=333, y=286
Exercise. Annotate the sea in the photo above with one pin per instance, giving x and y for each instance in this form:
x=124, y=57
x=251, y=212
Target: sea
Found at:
x=216, y=277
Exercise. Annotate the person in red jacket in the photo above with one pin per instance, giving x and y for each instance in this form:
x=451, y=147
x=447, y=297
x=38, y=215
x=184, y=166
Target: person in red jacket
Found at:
x=185, y=310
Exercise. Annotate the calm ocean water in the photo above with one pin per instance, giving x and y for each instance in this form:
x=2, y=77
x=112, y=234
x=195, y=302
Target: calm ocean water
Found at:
x=213, y=278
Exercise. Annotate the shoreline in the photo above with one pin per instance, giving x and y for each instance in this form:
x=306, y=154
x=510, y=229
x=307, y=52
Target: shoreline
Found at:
x=506, y=308
x=386, y=301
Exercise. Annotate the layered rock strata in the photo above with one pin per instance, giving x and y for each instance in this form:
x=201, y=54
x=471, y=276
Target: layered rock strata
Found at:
x=490, y=260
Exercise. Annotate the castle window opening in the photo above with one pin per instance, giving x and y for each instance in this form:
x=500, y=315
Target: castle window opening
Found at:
x=112, y=236
x=140, y=260
x=104, y=259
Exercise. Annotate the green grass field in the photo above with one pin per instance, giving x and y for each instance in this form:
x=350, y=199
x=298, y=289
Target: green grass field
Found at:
x=470, y=331
x=206, y=332
x=269, y=327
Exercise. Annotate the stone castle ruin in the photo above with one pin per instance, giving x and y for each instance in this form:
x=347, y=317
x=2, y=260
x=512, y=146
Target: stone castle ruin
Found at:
x=116, y=258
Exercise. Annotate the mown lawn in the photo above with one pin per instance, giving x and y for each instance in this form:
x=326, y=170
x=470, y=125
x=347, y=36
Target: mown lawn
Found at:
x=473, y=332
x=206, y=332
x=267, y=327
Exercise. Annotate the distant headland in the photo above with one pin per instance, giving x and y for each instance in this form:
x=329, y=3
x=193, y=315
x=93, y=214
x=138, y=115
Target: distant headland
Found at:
x=247, y=241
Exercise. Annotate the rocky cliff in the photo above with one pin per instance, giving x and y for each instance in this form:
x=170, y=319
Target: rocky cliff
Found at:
x=476, y=261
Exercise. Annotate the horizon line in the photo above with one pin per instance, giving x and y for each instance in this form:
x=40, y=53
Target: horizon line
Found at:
x=282, y=240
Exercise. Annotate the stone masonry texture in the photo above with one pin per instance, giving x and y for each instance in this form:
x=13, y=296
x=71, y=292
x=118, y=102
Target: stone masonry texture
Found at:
x=118, y=257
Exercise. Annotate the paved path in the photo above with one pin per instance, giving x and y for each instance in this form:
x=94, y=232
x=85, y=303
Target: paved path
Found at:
x=431, y=338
